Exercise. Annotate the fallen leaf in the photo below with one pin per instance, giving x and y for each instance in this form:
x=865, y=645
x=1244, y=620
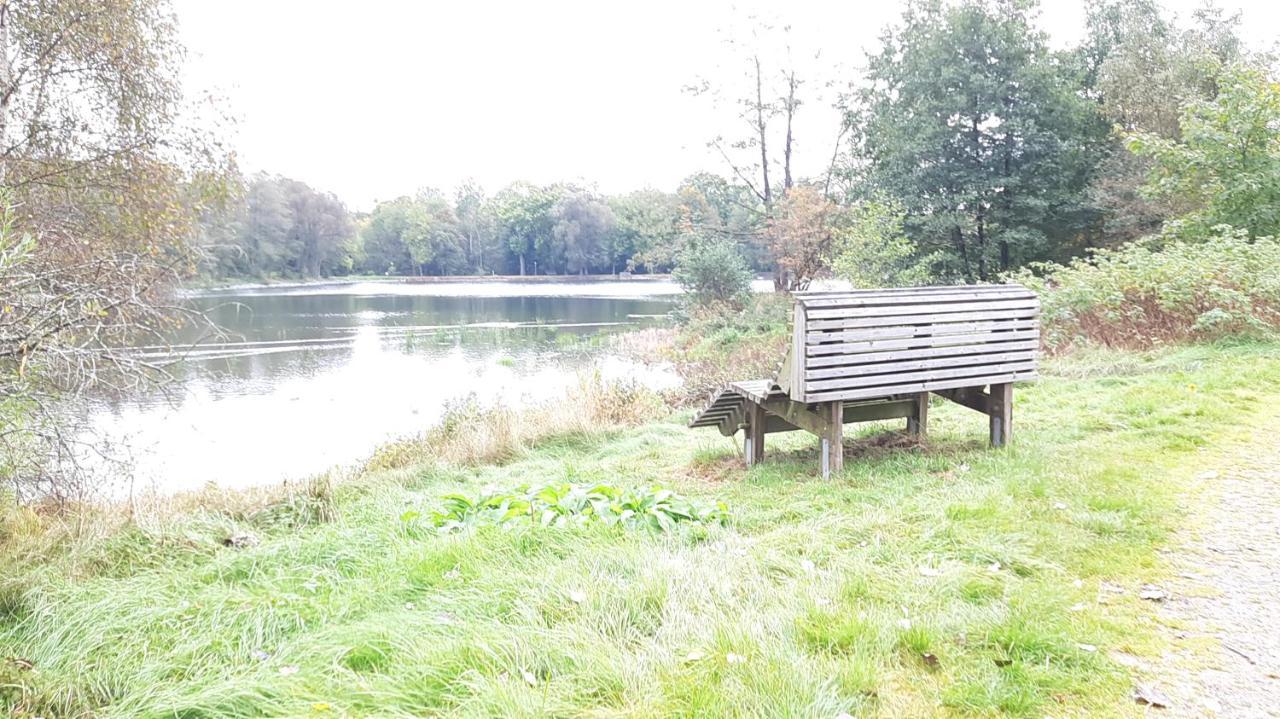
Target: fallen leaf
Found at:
x=409, y=605
x=288, y=670
x=320, y=706
x=1003, y=662
x=904, y=623
x=1077, y=607
x=1087, y=647
x=807, y=565
x=529, y=678
x=453, y=574
x=930, y=659
x=260, y=655
x=577, y=597
x=1149, y=695
x=735, y=658
x=694, y=656
x=1059, y=505
x=929, y=572
x=1078, y=583
x=993, y=567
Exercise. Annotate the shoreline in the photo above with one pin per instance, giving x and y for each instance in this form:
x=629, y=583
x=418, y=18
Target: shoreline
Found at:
x=231, y=285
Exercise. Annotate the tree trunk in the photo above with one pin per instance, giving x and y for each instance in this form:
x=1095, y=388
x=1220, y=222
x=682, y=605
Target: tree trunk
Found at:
x=957, y=237
x=791, y=112
x=522, y=264
x=761, y=126
x=982, y=245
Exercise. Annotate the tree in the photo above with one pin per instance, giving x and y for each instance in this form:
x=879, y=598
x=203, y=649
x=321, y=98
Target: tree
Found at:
x=976, y=128
x=103, y=189
x=644, y=233
x=870, y=248
x=523, y=215
x=432, y=235
x=1226, y=166
x=476, y=222
x=711, y=271
x=582, y=225
x=799, y=236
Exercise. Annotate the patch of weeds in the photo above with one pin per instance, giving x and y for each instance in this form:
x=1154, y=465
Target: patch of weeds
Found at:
x=568, y=504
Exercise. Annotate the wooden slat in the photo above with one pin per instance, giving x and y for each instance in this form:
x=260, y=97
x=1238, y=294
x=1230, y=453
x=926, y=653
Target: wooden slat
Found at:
x=825, y=303
x=943, y=341
x=924, y=308
x=909, y=291
x=922, y=376
x=900, y=389
x=795, y=384
x=860, y=359
x=889, y=320
x=967, y=360
x=818, y=340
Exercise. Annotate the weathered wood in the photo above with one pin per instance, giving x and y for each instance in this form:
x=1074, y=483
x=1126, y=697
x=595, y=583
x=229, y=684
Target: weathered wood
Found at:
x=1001, y=412
x=918, y=422
x=891, y=320
x=815, y=377
x=818, y=342
x=832, y=445
x=943, y=341
x=839, y=363
x=1011, y=302
x=811, y=295
x=972, y=397
x=913, y=387
x=901, y=377
x=853, y=412
x=753, y=435
x=826, y=304
x=798, y=331
x=798, y=414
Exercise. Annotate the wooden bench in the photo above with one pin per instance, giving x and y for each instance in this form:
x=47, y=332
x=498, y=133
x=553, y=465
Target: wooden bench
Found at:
x=869, y=355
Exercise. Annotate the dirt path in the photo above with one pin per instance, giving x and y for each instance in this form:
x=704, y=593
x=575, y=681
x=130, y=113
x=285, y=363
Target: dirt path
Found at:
x=1223, y=613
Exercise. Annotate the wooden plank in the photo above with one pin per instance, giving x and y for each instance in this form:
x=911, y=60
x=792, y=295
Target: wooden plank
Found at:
x=895, y=390
x=891, y=320
x=1001, y=413
x=922, y=308
x=908, y=343
x=908, y=365
x=796, y=413
x=753, y=437
x=874, y=302
x=972, y=397
x=853, y=412
x=918, y=422
x=890, y=369
x=838, y=363
x=833, y=440
x=924, y=376
x=798, y=330
x=817, y=341
x=876, y=291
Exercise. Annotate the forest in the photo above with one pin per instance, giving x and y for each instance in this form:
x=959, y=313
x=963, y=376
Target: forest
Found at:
x=968, y=147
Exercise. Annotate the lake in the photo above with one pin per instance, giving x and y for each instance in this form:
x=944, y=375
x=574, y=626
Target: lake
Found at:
x=316, y=375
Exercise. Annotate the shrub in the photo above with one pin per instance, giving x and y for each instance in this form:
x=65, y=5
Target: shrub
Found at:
x=565, y=504
x=712, y=272
x=1136, y=296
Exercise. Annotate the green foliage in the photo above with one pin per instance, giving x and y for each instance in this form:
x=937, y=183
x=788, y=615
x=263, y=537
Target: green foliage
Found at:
x=973, y=125
x=1137, y=296
x=567, y=504
x=712, y=272
x=871, y=249
x=1226, y=165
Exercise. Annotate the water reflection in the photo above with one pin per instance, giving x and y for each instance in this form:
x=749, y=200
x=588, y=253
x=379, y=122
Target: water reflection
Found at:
x=307, y=378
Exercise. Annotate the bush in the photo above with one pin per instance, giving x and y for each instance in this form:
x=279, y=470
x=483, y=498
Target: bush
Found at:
x=1136, y=296
x=712, y=272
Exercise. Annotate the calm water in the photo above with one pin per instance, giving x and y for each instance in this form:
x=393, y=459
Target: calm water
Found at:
x=310, y=377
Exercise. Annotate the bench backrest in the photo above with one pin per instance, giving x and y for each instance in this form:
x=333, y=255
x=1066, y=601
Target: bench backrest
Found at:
x=866, y=344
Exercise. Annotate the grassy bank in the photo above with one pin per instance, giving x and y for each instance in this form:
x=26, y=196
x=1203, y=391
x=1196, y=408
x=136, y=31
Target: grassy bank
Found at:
x=926, y=580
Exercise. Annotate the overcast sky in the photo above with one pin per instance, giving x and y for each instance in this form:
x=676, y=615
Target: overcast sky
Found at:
x=372, y=100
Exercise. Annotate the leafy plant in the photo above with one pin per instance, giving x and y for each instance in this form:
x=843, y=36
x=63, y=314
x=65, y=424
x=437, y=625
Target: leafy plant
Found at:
x=1137, y=296
x=712, y=272
x=567, y=504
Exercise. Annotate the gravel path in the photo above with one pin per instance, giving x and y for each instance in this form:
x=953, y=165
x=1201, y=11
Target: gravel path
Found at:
x=1223, y=613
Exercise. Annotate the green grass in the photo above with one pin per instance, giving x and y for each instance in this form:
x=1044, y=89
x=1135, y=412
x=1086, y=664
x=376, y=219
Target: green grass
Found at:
x=943, y=580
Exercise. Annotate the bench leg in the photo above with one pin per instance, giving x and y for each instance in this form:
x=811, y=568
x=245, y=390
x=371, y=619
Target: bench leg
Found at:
x=918, y=423
x=753, y=435
x=833, y=443
x=1001, y=411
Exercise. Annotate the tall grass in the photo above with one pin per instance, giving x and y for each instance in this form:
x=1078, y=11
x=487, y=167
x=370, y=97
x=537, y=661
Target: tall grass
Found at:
x=939, y=579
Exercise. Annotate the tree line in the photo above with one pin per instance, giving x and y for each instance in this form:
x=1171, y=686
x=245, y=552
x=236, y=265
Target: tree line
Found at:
x=968, y=147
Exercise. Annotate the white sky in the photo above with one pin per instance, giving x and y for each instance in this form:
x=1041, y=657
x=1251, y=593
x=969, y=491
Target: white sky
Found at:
x=374, y=99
